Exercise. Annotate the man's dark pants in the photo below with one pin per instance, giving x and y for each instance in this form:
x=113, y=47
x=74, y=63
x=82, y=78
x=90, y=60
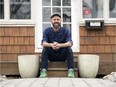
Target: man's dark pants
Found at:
x=61, y=54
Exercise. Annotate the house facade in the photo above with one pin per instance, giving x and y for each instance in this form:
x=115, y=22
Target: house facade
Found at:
x=23, y=21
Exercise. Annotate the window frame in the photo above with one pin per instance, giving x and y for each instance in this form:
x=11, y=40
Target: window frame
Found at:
x=107, y=20
x=7, y=21
x=74, y=31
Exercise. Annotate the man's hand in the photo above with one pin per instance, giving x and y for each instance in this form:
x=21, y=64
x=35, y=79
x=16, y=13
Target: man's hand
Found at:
x=55, y=45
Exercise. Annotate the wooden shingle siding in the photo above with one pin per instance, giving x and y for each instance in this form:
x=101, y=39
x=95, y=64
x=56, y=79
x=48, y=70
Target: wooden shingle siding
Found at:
x=102, y=43
x=15, y=41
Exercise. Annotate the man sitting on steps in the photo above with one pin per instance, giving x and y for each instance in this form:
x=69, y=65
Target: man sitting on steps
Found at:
x=56, y=44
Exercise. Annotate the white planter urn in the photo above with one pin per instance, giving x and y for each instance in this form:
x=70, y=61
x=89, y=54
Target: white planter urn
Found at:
x=88, y=65
x=28, y=65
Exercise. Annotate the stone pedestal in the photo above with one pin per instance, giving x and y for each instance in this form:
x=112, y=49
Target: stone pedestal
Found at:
x=28, y=65
x=88, y=65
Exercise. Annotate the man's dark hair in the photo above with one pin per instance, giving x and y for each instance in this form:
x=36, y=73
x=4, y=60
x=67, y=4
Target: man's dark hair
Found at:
x=55, y=15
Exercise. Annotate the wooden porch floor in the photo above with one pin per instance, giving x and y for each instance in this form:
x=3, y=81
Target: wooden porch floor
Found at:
x=57, y=82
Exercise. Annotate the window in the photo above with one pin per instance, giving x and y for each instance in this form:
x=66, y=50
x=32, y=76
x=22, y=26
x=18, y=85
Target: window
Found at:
x=92, y=8
x=1, y=9
x=17, y=11
x=68, y=11
x=112, y=9
x=62, y=7
x=20, y=9
x=98, y=10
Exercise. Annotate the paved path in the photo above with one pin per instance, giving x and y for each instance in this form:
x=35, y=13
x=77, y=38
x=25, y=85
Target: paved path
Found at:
x=57, y=82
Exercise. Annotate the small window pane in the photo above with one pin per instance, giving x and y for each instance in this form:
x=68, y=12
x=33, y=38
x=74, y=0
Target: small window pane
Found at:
x=66, y=14
x=66, y=2
x=46, y=14
x=112, y=8
x=56, y=2
x=68, y=26
x=46, y=25
x=1, y=9
x=20, y=9
x=46, y=2
x=92, y=8
x=57, y=10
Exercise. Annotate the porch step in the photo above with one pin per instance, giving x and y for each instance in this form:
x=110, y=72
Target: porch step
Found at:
x=9, y=68
x=59, y=72
x=59, y=69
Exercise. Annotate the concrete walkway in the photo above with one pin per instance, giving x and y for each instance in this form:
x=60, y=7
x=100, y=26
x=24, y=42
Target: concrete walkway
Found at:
x=57, y=82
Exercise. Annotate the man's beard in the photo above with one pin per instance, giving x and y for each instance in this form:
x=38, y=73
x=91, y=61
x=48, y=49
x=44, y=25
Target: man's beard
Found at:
x=56, y=25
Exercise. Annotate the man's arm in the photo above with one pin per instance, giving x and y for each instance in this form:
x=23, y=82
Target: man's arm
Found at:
x=46, y=44
x=56, y=45
x=67, y=44
x=61, y=45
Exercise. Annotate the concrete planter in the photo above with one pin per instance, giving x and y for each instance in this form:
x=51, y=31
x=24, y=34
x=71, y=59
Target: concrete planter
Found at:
x=88, y=65
x=28, y=65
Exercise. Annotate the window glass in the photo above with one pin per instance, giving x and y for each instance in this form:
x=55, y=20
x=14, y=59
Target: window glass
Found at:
x=92, y=8
x=46, y=25
x=112, y=8
x=20, y=9
x=46, y=2
x=62, y=7
x=68, y=26
x=66, y=14
x=1, y=9
x=66, y=2
x=57, y=10
x=56, y=2
x=46, y=14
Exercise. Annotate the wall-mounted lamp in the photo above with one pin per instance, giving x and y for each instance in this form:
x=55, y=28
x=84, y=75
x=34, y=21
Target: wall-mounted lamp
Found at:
x=94, y=24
